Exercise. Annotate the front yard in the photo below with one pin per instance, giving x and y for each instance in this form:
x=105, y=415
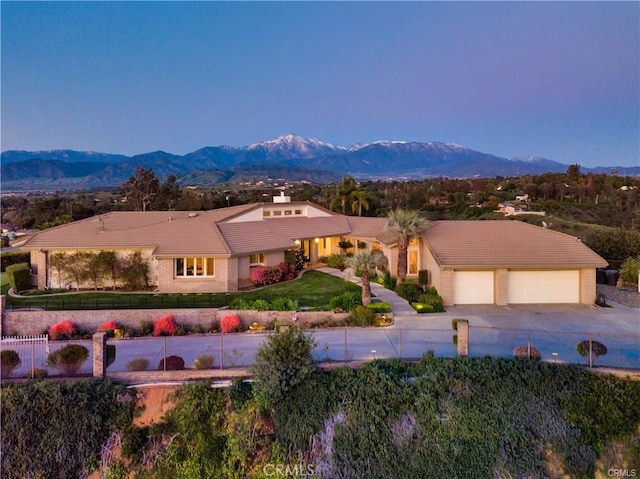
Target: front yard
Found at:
x=312, y=291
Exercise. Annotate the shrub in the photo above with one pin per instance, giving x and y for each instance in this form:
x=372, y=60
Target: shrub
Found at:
x=8, y=259
x=362, y=316
x=145, y=329
x=380, y=307
x=338, y=261
x=260, y=305
x=284, y=304
x=109, y=327
x=37, y=373
x=630, y=269
x=9, y=361
x=63, y=330
x=68, y=359
x=19, y=276
x=239, y=303
x=346, y=301
x=164, y=325
x=388, y=281
x=283, y=362
x=591, y=350
x=409, y=291
x=265, y=275
x=230, y=323
x=172, y=363
x=138, y=364
x=423, y=308
x=527, y=352
x=432, y=298
x=204, y=362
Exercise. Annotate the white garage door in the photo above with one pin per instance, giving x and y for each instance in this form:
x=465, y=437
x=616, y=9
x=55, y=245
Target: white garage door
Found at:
x=529, y=287
x=473, y=287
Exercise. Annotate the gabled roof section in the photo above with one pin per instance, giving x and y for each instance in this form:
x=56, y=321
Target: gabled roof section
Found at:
x=364, y=227
x=279, y=233
x=166, y=232
x=510, y=244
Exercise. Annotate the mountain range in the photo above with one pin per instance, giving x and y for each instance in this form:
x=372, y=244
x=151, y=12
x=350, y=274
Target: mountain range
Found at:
x=287, y=157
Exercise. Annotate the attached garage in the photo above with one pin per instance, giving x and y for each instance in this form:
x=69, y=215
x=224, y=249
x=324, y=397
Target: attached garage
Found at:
x=473, y=287
x=534, y=287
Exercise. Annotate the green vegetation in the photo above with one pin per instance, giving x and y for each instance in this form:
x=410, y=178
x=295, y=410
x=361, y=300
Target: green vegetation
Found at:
x=19, y=276
x=55, y=429
x=471, y=418
x=68, y=359
x=313, y=290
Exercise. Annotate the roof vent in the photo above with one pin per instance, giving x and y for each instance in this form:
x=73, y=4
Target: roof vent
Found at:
x=193, y=215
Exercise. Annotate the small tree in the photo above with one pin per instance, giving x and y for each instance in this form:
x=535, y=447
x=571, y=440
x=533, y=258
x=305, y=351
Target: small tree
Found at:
x=367, y=264
x=283, y=362
x=630, y=270
x=405, y=225
x=591, y=350
x=141, y=189
x=68, y=359
x=135, y=271
x=77, y=267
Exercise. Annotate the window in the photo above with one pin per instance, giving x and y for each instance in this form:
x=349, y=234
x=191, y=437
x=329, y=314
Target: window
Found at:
x=192, y=267
x=298, y=212
x=277, y=213
x=256, y=258
x=266, y=213
x=413, y=261
x=287, y=212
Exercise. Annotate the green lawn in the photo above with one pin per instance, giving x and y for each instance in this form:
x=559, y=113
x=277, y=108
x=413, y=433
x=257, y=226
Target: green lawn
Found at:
x=4, y=283
x=313, y=290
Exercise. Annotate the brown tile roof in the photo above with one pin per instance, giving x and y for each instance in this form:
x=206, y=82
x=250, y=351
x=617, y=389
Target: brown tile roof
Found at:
x=506, y=243
x=168, y=232
x=277, y=233
x=371, y=228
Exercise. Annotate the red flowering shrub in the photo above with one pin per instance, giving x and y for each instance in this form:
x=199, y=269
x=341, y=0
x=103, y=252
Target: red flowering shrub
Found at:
x=164, y=326
x=266, y=275
x=108, y=326
x=230, y=323
x=63, y=330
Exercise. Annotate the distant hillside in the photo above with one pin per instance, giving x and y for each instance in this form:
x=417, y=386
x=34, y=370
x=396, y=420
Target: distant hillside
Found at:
x=288, y=157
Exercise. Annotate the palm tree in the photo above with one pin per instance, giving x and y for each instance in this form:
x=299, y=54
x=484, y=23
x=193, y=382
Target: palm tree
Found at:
x=366, y=263
x=406, y=224
x=346, y=191
x=360, y=200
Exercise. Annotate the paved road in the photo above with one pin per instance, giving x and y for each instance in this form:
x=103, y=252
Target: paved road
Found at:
x=553, y=329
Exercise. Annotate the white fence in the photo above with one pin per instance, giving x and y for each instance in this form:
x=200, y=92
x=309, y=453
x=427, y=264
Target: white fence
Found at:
x=33, y=351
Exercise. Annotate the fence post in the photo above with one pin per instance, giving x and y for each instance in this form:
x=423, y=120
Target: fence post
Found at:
x=221, y=352
x=346, y=357
x=462, y=326
x=99, y=354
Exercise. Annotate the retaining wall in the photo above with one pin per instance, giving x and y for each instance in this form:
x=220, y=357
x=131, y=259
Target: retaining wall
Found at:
x=23, y=323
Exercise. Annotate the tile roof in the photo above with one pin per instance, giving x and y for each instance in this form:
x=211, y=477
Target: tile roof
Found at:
x=506, y=243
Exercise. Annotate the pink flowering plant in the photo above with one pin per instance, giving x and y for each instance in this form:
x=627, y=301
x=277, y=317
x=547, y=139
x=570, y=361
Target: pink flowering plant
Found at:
x=63, y=330
x=109, y=327
x=165, y=326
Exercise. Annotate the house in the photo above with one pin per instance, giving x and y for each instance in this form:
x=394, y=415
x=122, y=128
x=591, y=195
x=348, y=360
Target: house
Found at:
x=469, y=262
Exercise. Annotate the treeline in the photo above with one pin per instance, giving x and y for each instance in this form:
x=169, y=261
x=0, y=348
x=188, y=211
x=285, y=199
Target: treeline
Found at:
x=608, y=200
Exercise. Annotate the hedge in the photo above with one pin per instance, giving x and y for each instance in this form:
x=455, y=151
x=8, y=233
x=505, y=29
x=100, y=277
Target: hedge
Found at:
x=19, y=276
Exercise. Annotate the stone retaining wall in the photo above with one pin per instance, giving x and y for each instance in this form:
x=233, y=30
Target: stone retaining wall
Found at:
x=24, y=323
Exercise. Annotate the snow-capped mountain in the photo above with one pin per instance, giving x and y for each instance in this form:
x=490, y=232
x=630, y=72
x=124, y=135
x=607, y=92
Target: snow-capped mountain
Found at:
x=294, y=146
x=295, y=155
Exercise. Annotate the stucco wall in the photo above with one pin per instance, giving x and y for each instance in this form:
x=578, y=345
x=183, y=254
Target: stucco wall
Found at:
x=37, y=322
x=587, y=286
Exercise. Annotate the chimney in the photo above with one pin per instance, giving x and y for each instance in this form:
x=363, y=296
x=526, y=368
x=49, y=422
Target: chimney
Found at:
x=282, y=198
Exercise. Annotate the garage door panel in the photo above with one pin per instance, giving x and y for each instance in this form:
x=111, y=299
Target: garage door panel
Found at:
x=473, y=287
x=535, y=287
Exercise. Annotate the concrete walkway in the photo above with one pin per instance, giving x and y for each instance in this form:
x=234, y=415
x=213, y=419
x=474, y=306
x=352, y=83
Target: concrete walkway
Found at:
x=400, y=306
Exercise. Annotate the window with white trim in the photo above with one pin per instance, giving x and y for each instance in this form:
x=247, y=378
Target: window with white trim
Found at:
x=256, y=259
x=194, y=267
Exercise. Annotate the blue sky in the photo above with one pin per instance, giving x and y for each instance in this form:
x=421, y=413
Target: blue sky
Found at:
x=558, y=80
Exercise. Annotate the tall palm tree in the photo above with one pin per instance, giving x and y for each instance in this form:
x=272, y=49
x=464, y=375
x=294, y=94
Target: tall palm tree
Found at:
x=366, y=263
x=360, y=200
x=345, y=192
x=405, y=224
